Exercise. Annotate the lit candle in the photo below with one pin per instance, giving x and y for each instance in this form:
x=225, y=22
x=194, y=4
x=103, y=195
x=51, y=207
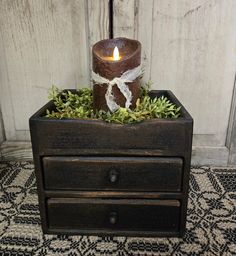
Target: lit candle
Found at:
x=111, y=59
x=116, y=55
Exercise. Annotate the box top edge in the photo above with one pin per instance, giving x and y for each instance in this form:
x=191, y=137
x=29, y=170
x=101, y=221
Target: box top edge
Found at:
x=185, y=116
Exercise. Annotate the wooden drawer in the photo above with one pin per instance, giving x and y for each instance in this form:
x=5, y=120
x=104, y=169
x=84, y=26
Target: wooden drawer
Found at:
x=113, y=173
x=77, y=214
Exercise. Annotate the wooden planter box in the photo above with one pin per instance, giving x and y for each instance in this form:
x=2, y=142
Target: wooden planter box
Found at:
x=110, y=179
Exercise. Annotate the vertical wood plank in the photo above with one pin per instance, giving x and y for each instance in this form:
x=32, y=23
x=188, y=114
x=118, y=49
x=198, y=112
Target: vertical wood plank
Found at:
x=98, y=23
x=144, y=28
x=44, y=43
x=80, y=44
x=231, y=135
x=2, y=132
x=189, y=48
x=133, y=19
x=98, y=17
x=5, y=96
x=43, y=46
x=193, y=54
x=124, y=18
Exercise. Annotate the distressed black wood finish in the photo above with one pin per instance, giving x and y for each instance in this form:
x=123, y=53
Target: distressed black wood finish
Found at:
x=132, y=172
x=116, y=214
x=113, y=173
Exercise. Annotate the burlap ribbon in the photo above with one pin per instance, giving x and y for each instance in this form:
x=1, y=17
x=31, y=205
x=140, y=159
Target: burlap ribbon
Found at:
x=127, y=77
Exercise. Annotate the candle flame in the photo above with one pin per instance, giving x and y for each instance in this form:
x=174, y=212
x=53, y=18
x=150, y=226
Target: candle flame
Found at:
x=116, y=55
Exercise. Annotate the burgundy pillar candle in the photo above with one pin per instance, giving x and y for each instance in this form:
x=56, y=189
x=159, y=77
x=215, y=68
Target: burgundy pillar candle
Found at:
x=105, y=66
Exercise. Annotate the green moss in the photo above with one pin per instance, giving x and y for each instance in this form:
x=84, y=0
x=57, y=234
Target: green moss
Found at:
x=79, y=105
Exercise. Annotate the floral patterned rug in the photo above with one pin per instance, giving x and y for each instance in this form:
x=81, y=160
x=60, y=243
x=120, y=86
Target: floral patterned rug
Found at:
x=211, y=220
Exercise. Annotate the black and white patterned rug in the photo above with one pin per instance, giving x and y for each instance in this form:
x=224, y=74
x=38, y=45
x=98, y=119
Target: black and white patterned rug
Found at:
x=211, y=221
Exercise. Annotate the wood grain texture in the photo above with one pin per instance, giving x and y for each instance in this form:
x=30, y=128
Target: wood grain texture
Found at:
x=2, y=131
x=143, y=19
x=21, y=150
x=210, y=156
x=98, y=18
x=113, y=173
x=101, y=215
x=16, y=150
x=75, y=155
x=189, y=47
x=134, y=19
x=163, y=136
x=44, y=43
x=124, y=18
x=113, y=194
x=98, y=23
x=231, y=136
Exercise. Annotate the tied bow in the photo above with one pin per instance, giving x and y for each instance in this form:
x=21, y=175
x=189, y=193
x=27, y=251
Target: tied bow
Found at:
x=127, y=77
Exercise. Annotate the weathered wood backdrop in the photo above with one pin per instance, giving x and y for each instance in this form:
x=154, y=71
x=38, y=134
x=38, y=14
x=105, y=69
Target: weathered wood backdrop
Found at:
x=189, y=46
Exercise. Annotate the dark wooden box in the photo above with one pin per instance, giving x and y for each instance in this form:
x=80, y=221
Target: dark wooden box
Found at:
x=110, y=179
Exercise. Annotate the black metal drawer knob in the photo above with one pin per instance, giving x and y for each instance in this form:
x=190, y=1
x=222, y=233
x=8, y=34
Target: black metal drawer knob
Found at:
x=113, y=176
x=113, y=218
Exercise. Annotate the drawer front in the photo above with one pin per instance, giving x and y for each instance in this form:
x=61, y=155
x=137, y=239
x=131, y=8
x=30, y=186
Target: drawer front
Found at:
x=118, y=215
x=113, y=173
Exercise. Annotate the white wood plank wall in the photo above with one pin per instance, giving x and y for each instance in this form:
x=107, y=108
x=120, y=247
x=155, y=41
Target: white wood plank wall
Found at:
x=2, y=132
x=189, y=47
x=42, y=43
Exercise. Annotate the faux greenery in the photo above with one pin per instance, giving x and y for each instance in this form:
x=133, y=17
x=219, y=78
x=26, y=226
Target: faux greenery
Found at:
x=79, y=105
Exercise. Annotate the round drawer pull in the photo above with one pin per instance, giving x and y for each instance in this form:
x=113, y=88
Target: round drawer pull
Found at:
x=113, y=218
x=113, y=176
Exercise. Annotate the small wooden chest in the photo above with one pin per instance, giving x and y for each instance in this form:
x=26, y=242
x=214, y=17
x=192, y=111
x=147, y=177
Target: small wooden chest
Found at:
x=109, y=179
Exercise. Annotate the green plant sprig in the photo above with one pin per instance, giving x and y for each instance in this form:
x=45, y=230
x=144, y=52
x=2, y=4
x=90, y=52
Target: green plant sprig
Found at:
x=80, y=105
